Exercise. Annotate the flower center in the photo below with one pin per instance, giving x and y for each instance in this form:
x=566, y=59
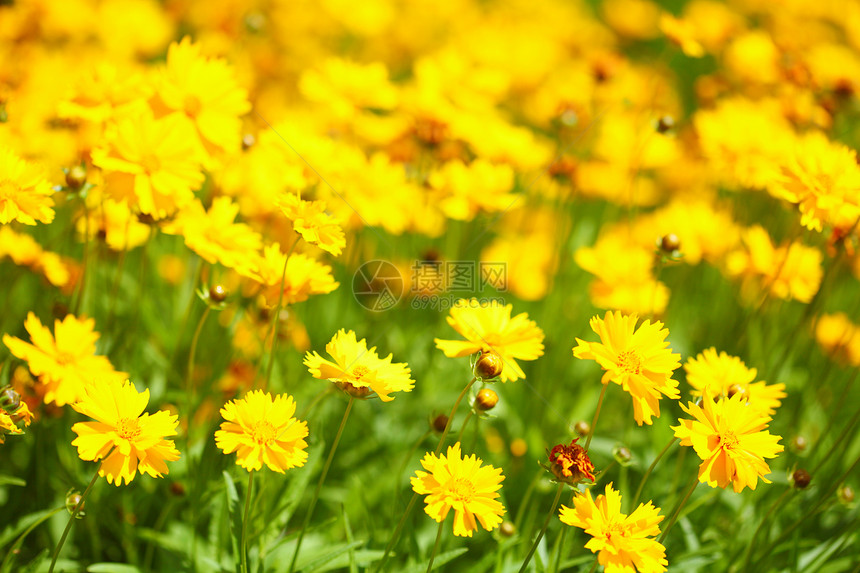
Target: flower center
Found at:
x=630, y=362
x=263, y=432
x=729, y=440
x=64, y=358
x=359, y=372
x=192, y=105
x=615, y=529
x=128, y=428
x=150, y=163
x=461, y=489
x=7, y=188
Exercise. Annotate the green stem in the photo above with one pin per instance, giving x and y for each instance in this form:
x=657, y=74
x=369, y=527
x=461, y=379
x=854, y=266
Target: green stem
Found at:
x=393, y=541
x=309, y=408
x=75, y=512
x=37, y=523
x=323, y=475
x=244, y=541
x=649, y=470
x=276, y=319
x=186, y=316
x=436, y=546
x=767, y=516
x=594, y=565
x=678, y=508
x=596, y=415
x=189, y=377
x=559, y=550
x=463, y=427
x=83, y=284
x=543, y=528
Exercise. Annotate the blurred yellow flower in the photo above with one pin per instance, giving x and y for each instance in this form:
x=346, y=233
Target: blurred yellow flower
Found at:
x=205, y=91
x=152, y=164
x=462, y=191
x=358, y=370
x=305, y=276
x=25, y=194
x=489, y=327
x=312, y=222
x=464, y=485
x=682, y=33
x=11, y=415
x=839, y=337
x=65, y=361
x=346, y=87
x=623, y=543
x=638, y=360
x=729, y=436
x=724, y=375
x=135, y=440
x=262, y=429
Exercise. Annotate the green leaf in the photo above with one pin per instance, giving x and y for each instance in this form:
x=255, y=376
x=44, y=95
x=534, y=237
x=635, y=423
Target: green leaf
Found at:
x=235, y=518
x=318, y=561
x=11, y=480
x=440, y=560
x=112, y=568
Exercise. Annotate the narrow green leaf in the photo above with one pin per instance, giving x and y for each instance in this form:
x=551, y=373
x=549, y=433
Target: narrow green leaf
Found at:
x=112, y=568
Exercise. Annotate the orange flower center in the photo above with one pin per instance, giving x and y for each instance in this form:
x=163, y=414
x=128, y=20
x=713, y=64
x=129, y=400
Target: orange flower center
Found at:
x=460, y=489
x=128, y=428
x=729, y=440
x=150, y=163
x=192, y=105
x=359, y=372
x=616, y=529
x=64, y=358
x=263, y=432
x=630, y=362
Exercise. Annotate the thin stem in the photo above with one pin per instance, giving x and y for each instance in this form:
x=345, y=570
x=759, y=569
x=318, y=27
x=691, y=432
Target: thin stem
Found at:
x=594, y=565
x=309, y=408
x=549, y=515
x=463, y=427
x=323, y=475
x=596, y=415
x=276, y=320
x=649, y=470
x=83, y=282
x=186, y=316
x=678, y=508
x=436, y=546
x=34, y=525
x=74, y=515
x=393, y=541
x=244, y=540
x=560, y=549
x=189, y=377
x=770, y=511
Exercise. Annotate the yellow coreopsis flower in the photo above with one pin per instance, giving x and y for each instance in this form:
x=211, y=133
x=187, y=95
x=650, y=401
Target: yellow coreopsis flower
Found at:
x=464, y=485
x=312, y=222
x=262, y=429
x=151, y=163
x=132, y=440
x=64, y=361
x=305, y=276
x=623, y=543
x=729, y=436
x=639, y=360
x=489, y=327
x=205, y=91
x=724, y=375
x=216, y=237
x=25, y=194
x=358, y=370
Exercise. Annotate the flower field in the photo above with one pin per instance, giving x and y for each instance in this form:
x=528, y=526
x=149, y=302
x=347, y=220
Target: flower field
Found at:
x=398, y=286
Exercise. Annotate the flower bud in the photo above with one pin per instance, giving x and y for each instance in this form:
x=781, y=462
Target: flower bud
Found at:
x=76, y=177
x=9, y=399
x=582, y=428
x=665, y=124
x=218, y=293
x=486, y=400
x=360, y=392
x=736, y=389
x=248, y=141
x=670, y=243
x=799, y=443
x=177, y=489
x=488, y=366
x=73, y=498
x=507, y=529
x=846, y=494
x=800, y=479
x=622, y=455
x=439, y=423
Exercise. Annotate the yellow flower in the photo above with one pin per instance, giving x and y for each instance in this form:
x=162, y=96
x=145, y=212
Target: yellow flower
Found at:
x=462, y=191
x=312, y=222
x=65, y=363
x=215, y=236
x=358, y=370
x=788, y=272
x=150, y=163
x=839, y=337
x=823, y=179
x=729, y=436
x=622, y=542
x=488, y=327
x=639, y=360
x=464, y=485
x=724, y=375
x=683, y=34
x=262, y=429
x=346, y=87
x=206, y=92
x=134, y=439
x=25, y=195
x=305, y=276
